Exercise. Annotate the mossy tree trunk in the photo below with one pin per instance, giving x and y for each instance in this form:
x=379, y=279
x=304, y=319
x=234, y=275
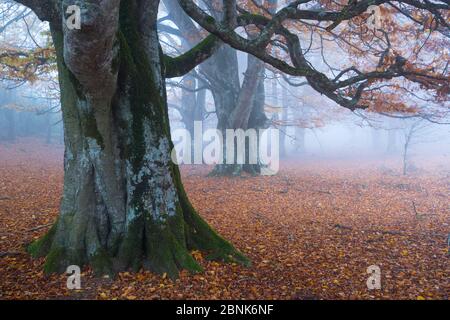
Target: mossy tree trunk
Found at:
x=123, y=205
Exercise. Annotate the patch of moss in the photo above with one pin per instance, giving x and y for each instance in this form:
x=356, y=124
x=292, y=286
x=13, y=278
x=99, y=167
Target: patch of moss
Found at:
x=210, y=20
x=165, y=254
x=130, y=254
x=41, y=247
x=136, y=76
x=199, y=235
x=54, y=260
x=89, y=125
x=182, y=64
x=101, y=263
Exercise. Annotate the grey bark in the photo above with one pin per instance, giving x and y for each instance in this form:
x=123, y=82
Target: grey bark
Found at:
x=236, y=107
x=284, y=118
x=123, y=205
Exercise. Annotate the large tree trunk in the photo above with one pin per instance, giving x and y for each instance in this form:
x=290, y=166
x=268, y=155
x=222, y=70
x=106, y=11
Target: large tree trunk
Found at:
x=123, y=205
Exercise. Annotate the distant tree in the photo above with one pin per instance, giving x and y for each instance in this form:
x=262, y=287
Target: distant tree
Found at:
x=236, y=106
x=414, y=133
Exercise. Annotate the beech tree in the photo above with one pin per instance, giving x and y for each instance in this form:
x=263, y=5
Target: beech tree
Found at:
x=123, y=202
x=236, y=106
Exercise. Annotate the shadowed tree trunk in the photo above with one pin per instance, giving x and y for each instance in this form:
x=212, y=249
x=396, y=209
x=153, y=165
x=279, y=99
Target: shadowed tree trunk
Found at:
x=123, y=205
x=188, y=103
x=258, y=120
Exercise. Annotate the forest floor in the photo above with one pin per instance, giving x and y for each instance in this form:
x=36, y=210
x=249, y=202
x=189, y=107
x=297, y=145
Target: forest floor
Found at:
x=311, y=232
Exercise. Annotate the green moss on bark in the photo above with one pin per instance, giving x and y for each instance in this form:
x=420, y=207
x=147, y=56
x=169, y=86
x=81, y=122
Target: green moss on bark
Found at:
x=136, y=80
x=179, y=66
x=41, y=247
x=89, y=125
x=200, y=236
x=131, y=251
x=102, y=263
x=55, y=260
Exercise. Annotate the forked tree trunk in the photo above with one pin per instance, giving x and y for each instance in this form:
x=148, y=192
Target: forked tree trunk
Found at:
x=247, y=113
x=222, y=72
x=123, y=205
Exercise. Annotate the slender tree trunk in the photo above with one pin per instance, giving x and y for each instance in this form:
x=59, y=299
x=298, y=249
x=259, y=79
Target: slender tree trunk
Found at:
x=123, y=206
x=405, y=155
x=48, y=128
x=284, y=118
x=223, y=74
x=188, y=103
x=200, y=107
x=405, y=159
x=258, y=120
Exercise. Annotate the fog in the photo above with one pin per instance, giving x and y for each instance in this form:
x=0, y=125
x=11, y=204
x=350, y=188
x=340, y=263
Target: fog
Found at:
x=310, y=124
x=356, y=136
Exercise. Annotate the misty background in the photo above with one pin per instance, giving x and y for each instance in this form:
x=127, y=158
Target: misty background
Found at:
x=311, y=125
